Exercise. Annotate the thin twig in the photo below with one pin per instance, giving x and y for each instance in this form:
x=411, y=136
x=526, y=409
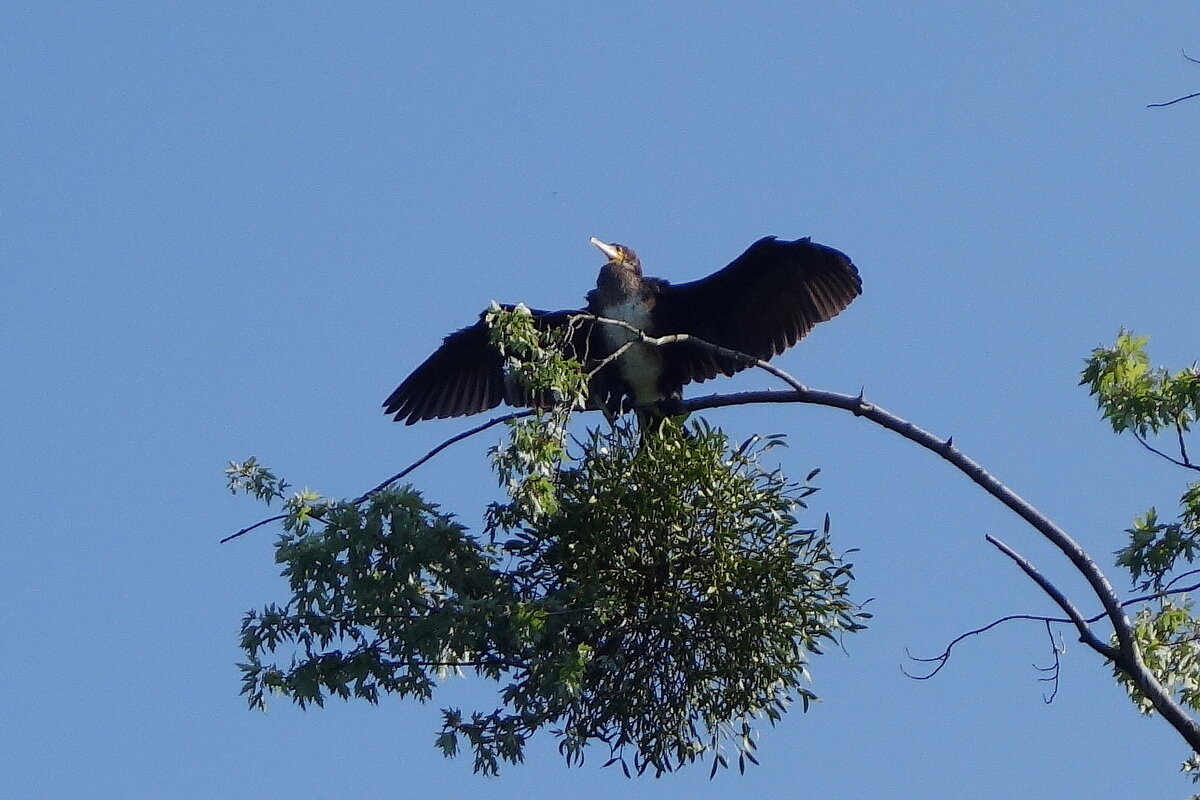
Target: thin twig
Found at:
x=1168, y=590
x=1176, y=100
x=1055, y=668
x=942, y=659
x=1186, y=463
x=402, y=473
x=1085, y=633
x=452, y=440
x=1183, y=453
x=1186, y=97
x=249, y=528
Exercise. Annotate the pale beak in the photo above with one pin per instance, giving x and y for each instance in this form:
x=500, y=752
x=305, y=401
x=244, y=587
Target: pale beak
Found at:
x=613, y=253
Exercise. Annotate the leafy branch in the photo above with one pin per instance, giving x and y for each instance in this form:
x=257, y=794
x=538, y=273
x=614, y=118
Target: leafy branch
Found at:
x=653, y=595
x=574, y=672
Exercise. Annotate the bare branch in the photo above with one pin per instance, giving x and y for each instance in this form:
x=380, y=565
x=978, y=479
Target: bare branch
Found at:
x=1179, y=100
x=1127, y=656
x=1085, y=633
x=1183, y=452
x=249, y=528
x=944, y=657
x=1176, y=100
x=1055, y=668
x=402, y=473
x=1168, y=590
x=1186, y=463
x=452, y=440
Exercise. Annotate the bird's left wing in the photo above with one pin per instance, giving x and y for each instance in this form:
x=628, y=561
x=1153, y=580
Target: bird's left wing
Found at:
x=763, y=302
x=466, y=374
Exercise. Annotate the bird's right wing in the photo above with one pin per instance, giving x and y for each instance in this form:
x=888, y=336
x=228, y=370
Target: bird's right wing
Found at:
x=763, y=302
x=465, y=375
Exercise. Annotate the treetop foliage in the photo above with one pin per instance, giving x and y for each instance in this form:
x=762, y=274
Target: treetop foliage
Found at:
x=1152, y=404
x=652, y=594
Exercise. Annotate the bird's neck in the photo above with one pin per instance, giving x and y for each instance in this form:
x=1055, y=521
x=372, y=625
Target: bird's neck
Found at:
x=618, y=285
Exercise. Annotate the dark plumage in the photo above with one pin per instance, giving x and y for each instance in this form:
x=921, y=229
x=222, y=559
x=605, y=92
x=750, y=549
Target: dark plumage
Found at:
x=763, y=302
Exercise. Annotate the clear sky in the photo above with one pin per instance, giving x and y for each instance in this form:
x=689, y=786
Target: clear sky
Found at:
x=230, y=229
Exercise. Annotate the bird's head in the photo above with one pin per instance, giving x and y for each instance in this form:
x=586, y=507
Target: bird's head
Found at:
x=619, y=256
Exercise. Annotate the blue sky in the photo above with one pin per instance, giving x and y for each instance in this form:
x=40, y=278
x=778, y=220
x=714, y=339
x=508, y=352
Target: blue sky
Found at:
x=229, y=230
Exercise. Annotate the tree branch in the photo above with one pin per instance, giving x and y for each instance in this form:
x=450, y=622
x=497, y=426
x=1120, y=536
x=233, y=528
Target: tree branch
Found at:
x=1085, y=633
x=452, y=440
x=944, y=657
x=1127, y=656
x=402, y=473
x=1055, y=668
x=1185, y=97
x=1186, y=463
x=1130, y=658
x=249, y=528
x=1183, y=452
x=1176, y=100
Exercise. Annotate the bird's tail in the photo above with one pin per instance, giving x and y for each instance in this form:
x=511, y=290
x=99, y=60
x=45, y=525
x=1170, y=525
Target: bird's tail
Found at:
x=663, y=417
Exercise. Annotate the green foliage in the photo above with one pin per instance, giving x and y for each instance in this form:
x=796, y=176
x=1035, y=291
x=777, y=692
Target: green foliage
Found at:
x=1134, y=396
x=536, y=360
x=1145, y=401
x=652, y=595
x=252, y=478
x=665, y=599
x=1169, y=639
x=681, y=596
x=1155, y=548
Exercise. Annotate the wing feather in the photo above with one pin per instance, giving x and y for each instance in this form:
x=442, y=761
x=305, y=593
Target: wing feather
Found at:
x=466, y=374
x=762, y=303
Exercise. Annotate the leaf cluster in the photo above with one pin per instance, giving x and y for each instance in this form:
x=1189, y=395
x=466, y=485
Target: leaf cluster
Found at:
x=651, y=594
x=536, y=360
x=666, y=599
x=1168, y=637
x=681, y=593
x=1133, y=396
x=1148, y=402
x=383, y=596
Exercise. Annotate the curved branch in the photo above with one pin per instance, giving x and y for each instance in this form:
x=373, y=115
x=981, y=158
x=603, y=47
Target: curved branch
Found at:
x=1129, y=657
x=1085, y=633
x=1186, y=462
x=944, y=657
x=1055, y=668
x=1185, y=97
x=249, y=528
x=402, y=473
x=1176, y=100
x=452, y=440
x=1183, y=451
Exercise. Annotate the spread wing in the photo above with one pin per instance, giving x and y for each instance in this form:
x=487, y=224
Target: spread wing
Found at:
x=466, y=374
x=764, y=302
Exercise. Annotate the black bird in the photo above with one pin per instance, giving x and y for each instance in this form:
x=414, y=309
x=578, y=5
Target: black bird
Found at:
x=763, y=302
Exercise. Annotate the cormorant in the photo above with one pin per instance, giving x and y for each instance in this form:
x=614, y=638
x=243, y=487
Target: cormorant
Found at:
x=763, y=302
